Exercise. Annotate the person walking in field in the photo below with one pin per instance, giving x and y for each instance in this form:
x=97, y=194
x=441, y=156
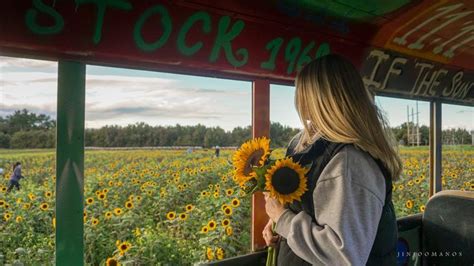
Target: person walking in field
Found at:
x=217, y=151
x=15, y=177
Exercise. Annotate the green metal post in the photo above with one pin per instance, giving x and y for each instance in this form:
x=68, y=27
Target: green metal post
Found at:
x=70, y=163
x=435, y=148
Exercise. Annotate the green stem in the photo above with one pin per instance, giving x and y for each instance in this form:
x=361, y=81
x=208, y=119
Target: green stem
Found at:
x=272, y=253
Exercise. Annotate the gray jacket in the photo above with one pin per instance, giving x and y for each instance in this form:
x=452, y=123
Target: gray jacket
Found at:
x=348, y=201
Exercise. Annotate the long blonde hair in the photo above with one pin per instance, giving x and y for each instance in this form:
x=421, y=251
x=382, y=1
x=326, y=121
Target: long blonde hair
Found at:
x=333, y=103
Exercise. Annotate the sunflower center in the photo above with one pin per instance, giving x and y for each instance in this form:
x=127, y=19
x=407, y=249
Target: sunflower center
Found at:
x=285, y=180
x=253, y=160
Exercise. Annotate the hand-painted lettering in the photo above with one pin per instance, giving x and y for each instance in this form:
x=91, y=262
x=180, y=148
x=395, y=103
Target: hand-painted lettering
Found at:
x=273, y=46
x=206, y=28
x=223, y=41
x=101, y=8
x=165, y=21
x=32, y=13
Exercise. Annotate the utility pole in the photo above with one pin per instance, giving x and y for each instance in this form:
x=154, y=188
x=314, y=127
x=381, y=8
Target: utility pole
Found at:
x=413, y=131
x=417, y=126
x=408, y=125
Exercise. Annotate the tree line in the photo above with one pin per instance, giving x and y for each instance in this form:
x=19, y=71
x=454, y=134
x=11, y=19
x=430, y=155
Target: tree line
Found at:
x=24, y=129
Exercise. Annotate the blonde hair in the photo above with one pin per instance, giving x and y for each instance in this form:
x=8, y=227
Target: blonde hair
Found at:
x=334, y=104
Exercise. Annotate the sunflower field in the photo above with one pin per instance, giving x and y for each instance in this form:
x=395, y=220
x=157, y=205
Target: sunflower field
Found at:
x=152, y=207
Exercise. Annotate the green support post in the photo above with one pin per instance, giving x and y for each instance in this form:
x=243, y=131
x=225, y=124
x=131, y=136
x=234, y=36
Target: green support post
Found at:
x=70, y=163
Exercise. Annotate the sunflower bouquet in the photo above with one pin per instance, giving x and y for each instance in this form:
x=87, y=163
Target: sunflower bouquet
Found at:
x=254, y=171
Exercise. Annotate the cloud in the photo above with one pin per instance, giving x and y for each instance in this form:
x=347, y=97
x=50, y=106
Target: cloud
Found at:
x=23, y=63
x=114, y=99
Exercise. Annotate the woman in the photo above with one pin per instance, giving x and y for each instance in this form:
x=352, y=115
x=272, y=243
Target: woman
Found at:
x=346, y=217
x=15, y=177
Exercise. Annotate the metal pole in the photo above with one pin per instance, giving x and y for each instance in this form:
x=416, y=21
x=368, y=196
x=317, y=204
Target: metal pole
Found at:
x=408, y=125
x=417, y=126
x=413, y=133
x=260, y=128
x=70, y=163
x=435, y=147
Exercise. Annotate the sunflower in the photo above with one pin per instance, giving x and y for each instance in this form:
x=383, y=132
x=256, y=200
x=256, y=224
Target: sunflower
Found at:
x=212, y=225
x=422, y=208
x=139, y=198
x=129, y=205
x=229, y=231
x=118, y=211
x=224, y=206
x=209, y=254
x=124, y=247
x=7, y=216
x=171, y=215
x=216, y=195
x=94, y=221
x=183, y=216
x=252, y=153
x=2, y=203
x=31, y=196
x=409, y=204
x=228, y=211
x=189, y=207
x=400, y=187
x=286, y=181
x=225, y=222
x=44, y=206
x=101, y=196
x=108, y=215
x=229, y=192
x=204, y=229
x=220, y=253
x=19, y=219
x=235, y=202
x=89, y=201
x=112, y=262
x=48, y=194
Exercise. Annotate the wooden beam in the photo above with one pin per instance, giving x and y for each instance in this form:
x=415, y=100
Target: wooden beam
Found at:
x=260, y=128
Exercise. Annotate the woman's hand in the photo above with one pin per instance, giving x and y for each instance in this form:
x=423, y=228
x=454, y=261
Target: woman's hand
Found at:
x=270, y=239
x=273, y=207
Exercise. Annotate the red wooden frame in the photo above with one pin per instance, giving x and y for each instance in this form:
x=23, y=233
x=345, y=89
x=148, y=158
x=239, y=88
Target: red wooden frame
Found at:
x=260, y=128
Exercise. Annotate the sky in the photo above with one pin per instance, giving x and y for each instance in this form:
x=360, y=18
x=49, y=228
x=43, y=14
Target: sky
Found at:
x=117, y=96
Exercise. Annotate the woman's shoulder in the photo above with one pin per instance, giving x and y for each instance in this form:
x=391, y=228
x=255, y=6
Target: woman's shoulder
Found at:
x=357, y=167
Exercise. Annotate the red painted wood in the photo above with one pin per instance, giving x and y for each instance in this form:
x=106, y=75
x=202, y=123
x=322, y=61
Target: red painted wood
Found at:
x=260, y=128
x=117, y=46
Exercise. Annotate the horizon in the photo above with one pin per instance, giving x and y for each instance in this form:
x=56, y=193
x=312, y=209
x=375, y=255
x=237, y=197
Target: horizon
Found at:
x=118, y=96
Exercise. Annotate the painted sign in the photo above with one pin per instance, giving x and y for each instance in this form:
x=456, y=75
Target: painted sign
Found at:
x=442, y=32
x=163, y=35
x=390, y=73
